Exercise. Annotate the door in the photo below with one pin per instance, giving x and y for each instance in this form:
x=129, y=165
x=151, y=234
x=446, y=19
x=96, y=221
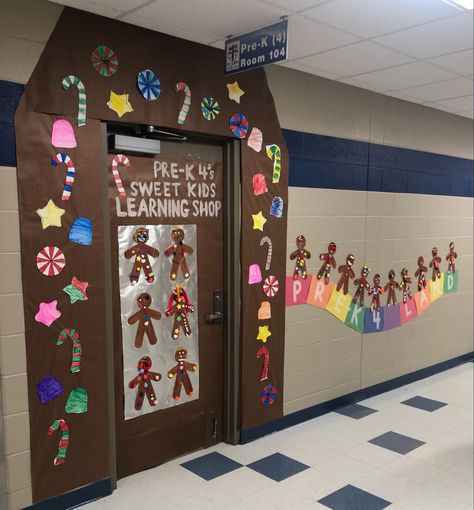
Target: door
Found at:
x=166, y=222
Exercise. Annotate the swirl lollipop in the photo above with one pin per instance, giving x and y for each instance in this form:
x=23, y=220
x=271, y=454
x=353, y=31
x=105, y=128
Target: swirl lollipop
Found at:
x=149, y=85
x=239, y=125
x=210, y=108
x=104, y=61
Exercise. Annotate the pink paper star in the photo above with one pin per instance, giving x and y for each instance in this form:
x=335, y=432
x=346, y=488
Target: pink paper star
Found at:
x=48, y=313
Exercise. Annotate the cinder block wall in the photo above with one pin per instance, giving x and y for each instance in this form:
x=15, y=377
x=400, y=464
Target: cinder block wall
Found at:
x=324, y=358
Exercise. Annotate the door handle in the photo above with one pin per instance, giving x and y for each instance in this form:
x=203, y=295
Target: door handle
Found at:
x=217, y=315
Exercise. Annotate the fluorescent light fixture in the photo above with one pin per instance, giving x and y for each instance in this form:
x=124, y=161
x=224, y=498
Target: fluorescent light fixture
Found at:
x=465, y=4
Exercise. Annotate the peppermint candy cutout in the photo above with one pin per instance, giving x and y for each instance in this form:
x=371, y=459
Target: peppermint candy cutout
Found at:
x=271, y=286
x=50, y=260
x=268, y=395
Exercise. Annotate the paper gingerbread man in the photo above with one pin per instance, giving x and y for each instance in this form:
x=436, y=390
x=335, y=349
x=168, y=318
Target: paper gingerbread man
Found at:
x=141, y=251
x=375, y=291
x=179, y=306
x=420, y=273
x=300, y=254
x=180, y=370
x=451, y=257
x=405, y=284
x=143, y=381
x=329, y=261
x=346, y=273
x=362, y=285
x=143, y=316
x=435, y=262
x=178, y=249
x=390, y=287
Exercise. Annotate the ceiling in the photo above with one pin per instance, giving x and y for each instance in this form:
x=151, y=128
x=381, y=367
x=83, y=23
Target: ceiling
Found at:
x=417, y=50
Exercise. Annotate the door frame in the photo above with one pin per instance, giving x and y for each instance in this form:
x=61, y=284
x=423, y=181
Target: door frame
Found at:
x=232, y=292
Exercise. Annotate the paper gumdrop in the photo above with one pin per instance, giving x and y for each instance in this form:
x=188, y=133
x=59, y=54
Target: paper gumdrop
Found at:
x=81, y=231
x=48, y=389
x=259, y=184
x=264, y=311
x=276, y=209
x=255, y=275
x=62, y=134
x=77, y=401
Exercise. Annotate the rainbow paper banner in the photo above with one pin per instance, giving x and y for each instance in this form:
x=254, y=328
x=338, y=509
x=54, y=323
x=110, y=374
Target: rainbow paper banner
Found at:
x=315, y=292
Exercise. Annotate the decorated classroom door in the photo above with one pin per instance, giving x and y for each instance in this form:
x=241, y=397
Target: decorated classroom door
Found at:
x=167, y=246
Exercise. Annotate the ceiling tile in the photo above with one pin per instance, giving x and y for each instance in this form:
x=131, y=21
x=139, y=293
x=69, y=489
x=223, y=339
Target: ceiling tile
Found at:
x=370, y=18
x=306, y=37
x=122, y=5
x=459, y=104
x=159, y=26
x=461, y=62
x=363, y=85
x=433, y=39
x=310, y=70
x=94, y=7
x=294, y=5
x=469, y=114
x=449, y=89
x=213, y=17
x=406, y=75
x=356, y=58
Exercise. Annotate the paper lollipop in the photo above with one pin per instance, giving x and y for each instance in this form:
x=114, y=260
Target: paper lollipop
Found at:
x=104, y=61
x=50, y=260
x=210, y=108
x=239, y=125
x=149, y=85
x=268, y=395
x=271, y=286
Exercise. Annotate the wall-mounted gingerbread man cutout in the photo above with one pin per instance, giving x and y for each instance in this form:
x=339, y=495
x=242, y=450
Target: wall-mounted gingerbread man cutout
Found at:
x=329, y=261
x=375, y=291
x=143, y=316
x=300, y=254
x=420, y=273
x=451, y=257
x=141, y=251
x=435, y=262
x=179, y=306
x=390, y=287
x=179, y=250
x=347, y=273
x=405, y=284
x=143, y=381
x=362, y=285
x=180, y=370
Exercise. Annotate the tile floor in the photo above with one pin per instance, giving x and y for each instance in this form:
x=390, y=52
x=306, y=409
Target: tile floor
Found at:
x=408, y=449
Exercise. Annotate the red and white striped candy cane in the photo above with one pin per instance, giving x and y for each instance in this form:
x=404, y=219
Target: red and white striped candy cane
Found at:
x=62, y=157
x=266, y=239
x=119, y=159
x=263, y=351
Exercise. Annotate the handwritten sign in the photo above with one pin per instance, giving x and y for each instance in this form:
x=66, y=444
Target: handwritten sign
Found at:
x=177, y=190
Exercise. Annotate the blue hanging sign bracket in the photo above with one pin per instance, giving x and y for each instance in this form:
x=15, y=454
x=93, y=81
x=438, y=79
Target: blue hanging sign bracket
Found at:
x=264, y=46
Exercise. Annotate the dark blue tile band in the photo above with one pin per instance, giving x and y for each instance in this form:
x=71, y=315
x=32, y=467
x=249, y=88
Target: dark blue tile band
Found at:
x=318, y=161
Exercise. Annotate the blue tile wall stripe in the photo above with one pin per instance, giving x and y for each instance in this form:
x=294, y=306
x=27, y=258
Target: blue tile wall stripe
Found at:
x=318, y=161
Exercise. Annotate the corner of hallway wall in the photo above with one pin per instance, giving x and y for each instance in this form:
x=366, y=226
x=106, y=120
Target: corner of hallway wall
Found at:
x=25, y=26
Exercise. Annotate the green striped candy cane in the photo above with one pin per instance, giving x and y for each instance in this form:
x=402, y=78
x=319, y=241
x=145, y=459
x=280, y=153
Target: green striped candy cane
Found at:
x=274, y=152
x=74, y=80
x=76, y=347
x=63, y=441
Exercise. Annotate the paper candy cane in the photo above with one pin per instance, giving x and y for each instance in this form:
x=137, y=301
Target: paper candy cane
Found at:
x=266, y=239
x=119, y=158
x=70, y=174
x=63, y=442
x=181, y=86
x=74, y=80
x=273, y=151
x=266, y=361
x=76, y=347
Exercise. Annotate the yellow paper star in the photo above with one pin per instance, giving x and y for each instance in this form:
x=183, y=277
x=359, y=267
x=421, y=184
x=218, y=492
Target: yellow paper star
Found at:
x=50, y=215
x=235, y=92
x=263, y=333
x=258, y=221
x=119, y=103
